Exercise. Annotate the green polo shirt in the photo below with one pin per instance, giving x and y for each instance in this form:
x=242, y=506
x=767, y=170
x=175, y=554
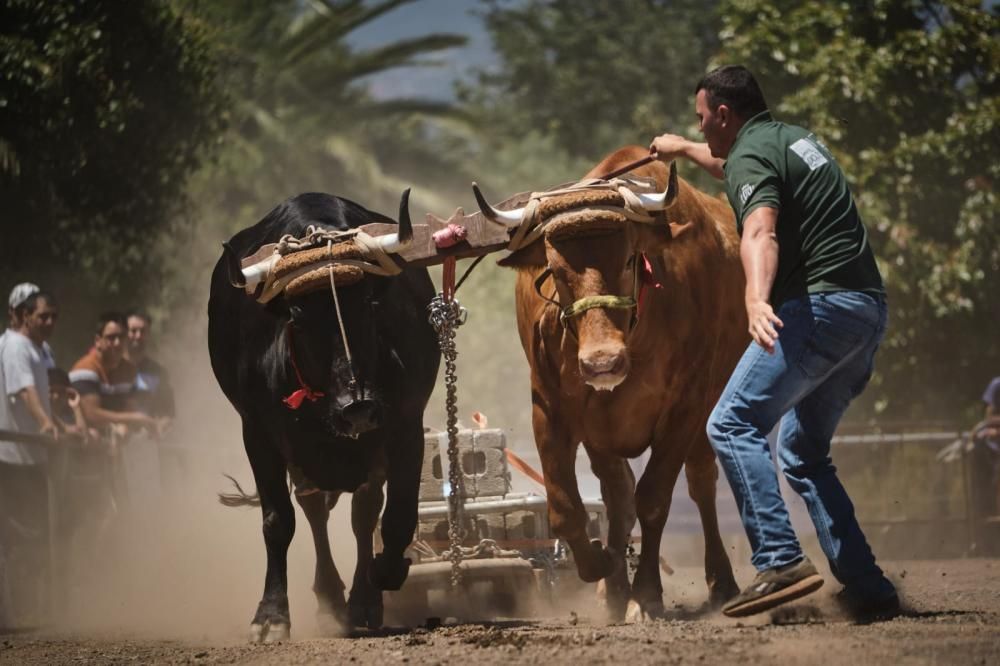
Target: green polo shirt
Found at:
x=822, y=243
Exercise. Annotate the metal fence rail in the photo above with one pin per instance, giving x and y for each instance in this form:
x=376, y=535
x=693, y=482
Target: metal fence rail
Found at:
x=921, y=493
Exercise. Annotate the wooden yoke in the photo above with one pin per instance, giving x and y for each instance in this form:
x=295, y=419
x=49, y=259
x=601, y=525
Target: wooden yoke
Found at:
x=481, y=235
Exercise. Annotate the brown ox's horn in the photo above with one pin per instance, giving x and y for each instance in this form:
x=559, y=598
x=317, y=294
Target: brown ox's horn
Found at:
x=663, y=199
x=508, y=218
x=233, y=268
x=392, y=243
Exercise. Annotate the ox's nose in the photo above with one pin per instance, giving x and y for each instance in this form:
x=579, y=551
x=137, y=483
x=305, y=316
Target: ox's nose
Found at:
x=604, y=368
x=361, y=415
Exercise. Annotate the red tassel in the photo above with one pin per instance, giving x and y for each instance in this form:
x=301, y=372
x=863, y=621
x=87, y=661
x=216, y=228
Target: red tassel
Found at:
x=295, y=400
x=647, y=279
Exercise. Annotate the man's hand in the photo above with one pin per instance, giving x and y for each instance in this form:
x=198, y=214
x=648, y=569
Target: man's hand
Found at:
x=763, y=323
x=49, y=428
x=668, y=147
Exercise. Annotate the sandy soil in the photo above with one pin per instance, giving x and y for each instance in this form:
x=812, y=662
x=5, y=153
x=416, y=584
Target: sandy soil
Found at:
x=954, y=618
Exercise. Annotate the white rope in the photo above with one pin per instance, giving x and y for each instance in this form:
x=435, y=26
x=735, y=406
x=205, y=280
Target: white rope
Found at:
x=340, y=319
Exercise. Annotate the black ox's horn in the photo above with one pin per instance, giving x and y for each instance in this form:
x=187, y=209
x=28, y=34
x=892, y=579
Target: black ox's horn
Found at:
x=233, y=268
x=405, y=225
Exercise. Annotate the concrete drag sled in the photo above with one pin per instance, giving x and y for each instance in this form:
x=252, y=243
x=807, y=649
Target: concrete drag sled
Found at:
x=511, y=564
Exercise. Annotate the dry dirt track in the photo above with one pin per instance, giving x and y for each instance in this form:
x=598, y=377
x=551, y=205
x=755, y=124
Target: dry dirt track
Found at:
x=955, y=619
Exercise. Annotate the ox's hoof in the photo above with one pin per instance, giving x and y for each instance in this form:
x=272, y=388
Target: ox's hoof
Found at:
x=389, y=574
x=269, y=632
x=366, y=615
x=721, y=592
x=596, y=563
x=639, y=613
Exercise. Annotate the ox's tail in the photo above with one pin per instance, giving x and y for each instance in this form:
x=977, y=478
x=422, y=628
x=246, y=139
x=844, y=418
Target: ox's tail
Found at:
x=239, y=498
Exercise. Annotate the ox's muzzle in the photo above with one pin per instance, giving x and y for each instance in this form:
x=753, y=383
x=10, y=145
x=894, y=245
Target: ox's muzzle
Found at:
x=605, y=366
x=361, y=416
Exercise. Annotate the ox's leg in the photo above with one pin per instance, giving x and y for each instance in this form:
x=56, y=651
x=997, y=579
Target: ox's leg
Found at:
x=364, y=606
x=702, y=475
x=567, y=516
x=399, y=522
x=271, y=622
x=327, y=585
x=652, y=501
x=618, y=492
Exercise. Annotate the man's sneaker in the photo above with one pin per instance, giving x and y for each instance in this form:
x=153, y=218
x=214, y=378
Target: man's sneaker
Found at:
x=775, y=586
x=868, y=610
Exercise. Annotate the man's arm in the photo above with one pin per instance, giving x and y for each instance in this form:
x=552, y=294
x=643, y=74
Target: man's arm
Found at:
x=34, y=404
x=96, y=415
x=759, y=253
x=668, y=147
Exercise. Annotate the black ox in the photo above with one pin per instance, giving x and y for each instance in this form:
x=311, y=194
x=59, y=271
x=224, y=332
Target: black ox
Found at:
x=353, y=438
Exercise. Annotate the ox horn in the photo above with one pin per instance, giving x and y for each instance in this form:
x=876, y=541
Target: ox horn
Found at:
x=395, y=242
x=235, y=273
x=508, y=218
x=665, y=198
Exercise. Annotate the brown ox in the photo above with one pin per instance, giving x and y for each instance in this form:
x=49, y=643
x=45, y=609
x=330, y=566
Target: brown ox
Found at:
x=619, y=385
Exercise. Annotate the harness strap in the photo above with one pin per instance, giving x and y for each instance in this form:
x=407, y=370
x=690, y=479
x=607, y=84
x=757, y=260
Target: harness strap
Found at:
x=603, y=301
x=304, y=392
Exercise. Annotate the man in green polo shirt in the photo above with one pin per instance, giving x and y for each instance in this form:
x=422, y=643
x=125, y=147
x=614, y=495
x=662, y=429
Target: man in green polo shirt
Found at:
x=817, y=312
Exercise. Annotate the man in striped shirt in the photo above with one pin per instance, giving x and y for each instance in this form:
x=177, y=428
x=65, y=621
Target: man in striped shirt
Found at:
x=105, y=379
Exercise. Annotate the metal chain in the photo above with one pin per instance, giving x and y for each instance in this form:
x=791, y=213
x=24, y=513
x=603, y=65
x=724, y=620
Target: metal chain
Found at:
x=446, y=316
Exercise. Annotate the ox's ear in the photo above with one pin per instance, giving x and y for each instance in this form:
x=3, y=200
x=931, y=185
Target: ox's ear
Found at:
x=532, y=256
x=677, y=229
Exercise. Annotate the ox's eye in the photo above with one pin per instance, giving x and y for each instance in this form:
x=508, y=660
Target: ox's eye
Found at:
x=295, y=311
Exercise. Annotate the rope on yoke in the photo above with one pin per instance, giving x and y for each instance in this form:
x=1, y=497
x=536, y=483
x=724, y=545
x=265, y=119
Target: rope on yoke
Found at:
x=340, y=323
x=532, y=228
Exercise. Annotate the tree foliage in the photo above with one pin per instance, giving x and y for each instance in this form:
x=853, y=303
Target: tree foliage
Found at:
x=905, y=94
x=105, y=109
x=593, y=75
x=302, y=115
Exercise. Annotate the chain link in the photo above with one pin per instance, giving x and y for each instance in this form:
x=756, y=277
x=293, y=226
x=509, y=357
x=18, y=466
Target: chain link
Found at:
x=445, y=317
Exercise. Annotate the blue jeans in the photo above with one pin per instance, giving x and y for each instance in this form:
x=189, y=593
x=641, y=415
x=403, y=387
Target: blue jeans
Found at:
x=823, y=359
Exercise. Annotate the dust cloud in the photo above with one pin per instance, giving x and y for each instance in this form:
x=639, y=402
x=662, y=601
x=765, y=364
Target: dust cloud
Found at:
x=175, y=563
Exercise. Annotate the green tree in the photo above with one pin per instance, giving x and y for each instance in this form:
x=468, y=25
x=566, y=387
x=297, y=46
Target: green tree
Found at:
x=105, y=109
x=593, y=75
x=302, y=115
x=905, y=94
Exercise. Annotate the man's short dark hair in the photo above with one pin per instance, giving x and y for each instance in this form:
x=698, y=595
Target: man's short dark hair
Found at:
x=59, y=378
x=107, y=317
x=734, y=86
x=141, y=314
x=31, y=302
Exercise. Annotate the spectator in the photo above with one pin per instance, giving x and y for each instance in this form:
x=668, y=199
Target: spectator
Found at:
x=105, y=379
x=24, y=363
x=9, y=451
x=991, y=397
x=66, y=410
x=988, y=434
x=26, y=360
x=153, y=393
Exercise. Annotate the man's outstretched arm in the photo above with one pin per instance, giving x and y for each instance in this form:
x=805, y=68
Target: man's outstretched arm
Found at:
x=668, y=147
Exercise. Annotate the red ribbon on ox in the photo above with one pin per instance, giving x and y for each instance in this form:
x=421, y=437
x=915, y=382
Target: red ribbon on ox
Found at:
x=304, y=392
x=646, y=279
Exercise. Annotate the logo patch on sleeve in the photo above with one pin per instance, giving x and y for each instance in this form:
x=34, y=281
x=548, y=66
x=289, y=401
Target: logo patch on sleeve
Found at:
x=745, y=193
x=809, y=153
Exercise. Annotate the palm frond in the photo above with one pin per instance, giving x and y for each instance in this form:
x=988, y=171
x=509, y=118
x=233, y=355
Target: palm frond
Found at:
x=331, y=22
x=400, y=54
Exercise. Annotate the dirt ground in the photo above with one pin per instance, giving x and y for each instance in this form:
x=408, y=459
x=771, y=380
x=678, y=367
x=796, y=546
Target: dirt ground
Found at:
x=953, y=618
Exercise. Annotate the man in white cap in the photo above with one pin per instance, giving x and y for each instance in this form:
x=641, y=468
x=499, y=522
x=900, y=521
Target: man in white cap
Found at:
x=10, y=452
x=24, y=406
